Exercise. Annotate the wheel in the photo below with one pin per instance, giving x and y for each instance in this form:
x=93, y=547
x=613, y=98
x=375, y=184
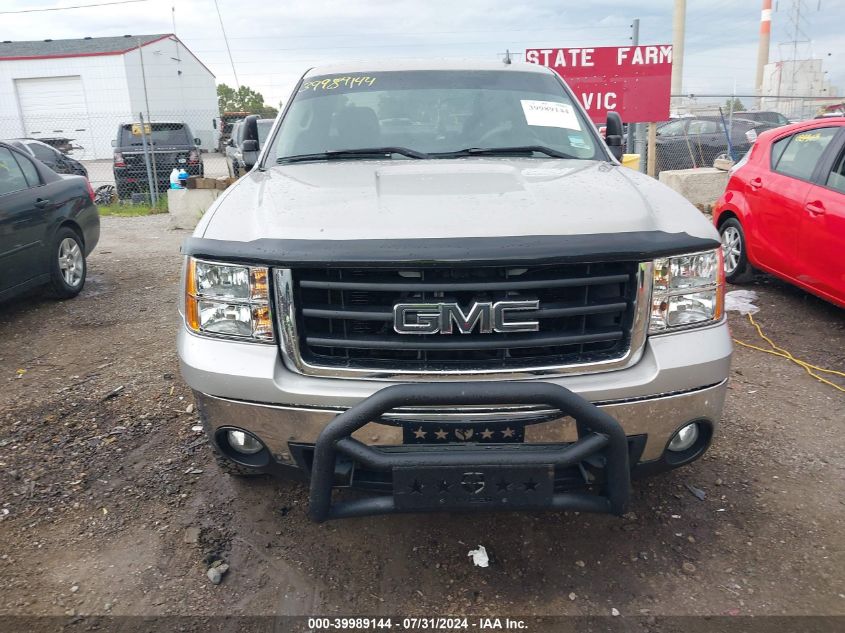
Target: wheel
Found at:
x=67, y=264
x=737, y=268
x=105, y=195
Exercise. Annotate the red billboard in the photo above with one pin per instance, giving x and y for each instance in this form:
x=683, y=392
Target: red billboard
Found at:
x=634, y=81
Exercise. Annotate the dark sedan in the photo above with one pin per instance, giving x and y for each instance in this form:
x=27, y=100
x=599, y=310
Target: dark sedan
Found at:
x=697, y=141
x=50, y=156
x=48, y=226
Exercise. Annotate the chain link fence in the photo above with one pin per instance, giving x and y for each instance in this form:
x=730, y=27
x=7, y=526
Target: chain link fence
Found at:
x=126, y=157
x=707, y=127
x=127, y=160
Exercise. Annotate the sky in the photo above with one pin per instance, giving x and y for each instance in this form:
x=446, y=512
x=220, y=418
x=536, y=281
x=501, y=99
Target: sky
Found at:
x=274, y=43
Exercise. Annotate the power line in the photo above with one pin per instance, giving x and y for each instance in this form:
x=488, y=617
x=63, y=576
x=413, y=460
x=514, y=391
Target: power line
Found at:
x=226, y=40
x=77, y=6
x=285, y=36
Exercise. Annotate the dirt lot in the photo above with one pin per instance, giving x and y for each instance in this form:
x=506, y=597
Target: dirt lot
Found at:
x=102, y=480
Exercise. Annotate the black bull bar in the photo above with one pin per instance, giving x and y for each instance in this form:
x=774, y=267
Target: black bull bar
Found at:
x=598, y=435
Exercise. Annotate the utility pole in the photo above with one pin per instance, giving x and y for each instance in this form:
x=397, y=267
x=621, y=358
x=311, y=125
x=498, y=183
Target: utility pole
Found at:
x=153, y=185
x=763, y=49
x=679, y=20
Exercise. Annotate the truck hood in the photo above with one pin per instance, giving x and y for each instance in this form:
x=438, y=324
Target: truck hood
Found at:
x=467, y=197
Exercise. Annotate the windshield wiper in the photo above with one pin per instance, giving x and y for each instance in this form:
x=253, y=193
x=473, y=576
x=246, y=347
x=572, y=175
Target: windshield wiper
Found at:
x=493, y=151
x=347, y=153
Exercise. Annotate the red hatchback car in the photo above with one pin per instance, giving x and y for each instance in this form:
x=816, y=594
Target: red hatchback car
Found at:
x=783, y=211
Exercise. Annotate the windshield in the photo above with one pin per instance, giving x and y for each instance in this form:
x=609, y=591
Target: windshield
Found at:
x=434, y=112
x=158, y=133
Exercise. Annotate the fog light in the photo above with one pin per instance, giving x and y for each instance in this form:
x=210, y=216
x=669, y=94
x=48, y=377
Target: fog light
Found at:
x=684, y=438
x=244, y=442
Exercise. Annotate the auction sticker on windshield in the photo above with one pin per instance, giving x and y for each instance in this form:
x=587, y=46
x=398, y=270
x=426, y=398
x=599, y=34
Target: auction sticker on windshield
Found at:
x=550, y=114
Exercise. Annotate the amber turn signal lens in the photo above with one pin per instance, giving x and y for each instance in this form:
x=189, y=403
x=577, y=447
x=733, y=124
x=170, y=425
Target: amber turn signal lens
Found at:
x=192, y=318
x=260, y=285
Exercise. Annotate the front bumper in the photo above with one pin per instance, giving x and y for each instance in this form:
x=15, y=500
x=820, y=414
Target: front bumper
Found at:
x=576, y=451
x=680, y=378
x=493, y=477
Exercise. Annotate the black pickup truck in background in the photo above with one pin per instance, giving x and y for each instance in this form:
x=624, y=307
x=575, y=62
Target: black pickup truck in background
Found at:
x=171, y=145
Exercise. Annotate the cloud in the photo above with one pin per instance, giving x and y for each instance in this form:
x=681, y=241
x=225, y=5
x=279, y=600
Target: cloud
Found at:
x=273, y=43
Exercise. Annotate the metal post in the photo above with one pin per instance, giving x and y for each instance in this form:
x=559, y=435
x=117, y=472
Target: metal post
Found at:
x=153, y=183
x=146, y=156
x=633, y=128
x=727, y=135
x=652, y=151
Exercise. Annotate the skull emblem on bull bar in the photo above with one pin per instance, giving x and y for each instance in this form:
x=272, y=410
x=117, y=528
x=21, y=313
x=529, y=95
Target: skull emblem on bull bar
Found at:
x=473, y=482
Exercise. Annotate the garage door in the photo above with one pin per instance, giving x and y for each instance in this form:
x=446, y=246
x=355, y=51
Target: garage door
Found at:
x=54, y=107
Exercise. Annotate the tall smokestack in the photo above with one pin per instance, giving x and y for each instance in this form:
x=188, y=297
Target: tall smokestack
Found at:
x=678, y=28
x=763, y=50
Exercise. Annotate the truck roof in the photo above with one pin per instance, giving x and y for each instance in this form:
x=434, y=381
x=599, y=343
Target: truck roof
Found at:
x=423, y=64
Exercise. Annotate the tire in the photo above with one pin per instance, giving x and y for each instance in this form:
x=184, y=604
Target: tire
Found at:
x=105, y=195
x=737, y=268
x=68, y=268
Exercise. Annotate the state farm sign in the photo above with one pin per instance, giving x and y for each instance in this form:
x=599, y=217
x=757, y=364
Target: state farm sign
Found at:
x=635, y=81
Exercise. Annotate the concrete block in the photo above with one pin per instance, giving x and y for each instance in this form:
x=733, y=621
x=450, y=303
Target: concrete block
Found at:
x=186, y=206
x=702, y=187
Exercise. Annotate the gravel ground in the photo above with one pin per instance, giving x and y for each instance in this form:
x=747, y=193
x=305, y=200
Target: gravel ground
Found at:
x=111, y=504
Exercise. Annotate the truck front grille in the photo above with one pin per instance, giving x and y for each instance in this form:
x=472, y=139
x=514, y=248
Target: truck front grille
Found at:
x=343, y=317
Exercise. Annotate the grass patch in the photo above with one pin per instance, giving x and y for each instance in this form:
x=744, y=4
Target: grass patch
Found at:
x=127, y=210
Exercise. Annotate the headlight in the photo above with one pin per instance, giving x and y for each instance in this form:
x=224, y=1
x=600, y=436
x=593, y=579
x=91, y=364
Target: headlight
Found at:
x=228, y=300
x=688, y=290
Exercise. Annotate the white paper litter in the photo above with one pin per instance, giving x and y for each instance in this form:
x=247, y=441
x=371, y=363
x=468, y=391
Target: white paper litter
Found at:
x=479, y=556
x=741, y=301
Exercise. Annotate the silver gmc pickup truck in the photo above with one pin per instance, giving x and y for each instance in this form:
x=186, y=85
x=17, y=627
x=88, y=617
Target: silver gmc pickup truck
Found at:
x=438, y=287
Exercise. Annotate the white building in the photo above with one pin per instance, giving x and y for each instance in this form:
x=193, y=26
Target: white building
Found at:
x=789, y=88
x=82, y=89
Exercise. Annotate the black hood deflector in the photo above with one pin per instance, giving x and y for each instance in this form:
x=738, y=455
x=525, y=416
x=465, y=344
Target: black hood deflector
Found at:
x=456, y=251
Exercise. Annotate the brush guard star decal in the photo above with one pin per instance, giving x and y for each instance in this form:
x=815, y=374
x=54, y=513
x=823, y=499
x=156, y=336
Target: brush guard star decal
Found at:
x=462, y=432
x=491, y=477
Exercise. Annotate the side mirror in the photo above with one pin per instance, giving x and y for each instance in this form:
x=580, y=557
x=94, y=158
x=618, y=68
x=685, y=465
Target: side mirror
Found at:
x=249, y=146
x=113, y=143
x=197, y=142
x=613, y=136
x=249, y=152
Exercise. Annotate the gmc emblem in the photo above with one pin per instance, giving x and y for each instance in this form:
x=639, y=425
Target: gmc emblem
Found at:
x=487, y=317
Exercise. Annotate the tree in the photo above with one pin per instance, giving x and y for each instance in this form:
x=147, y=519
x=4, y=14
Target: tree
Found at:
x=736, y=103
x=244, y=99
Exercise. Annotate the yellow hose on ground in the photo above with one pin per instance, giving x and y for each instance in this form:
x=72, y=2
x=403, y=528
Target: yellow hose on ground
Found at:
x=777, y=351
